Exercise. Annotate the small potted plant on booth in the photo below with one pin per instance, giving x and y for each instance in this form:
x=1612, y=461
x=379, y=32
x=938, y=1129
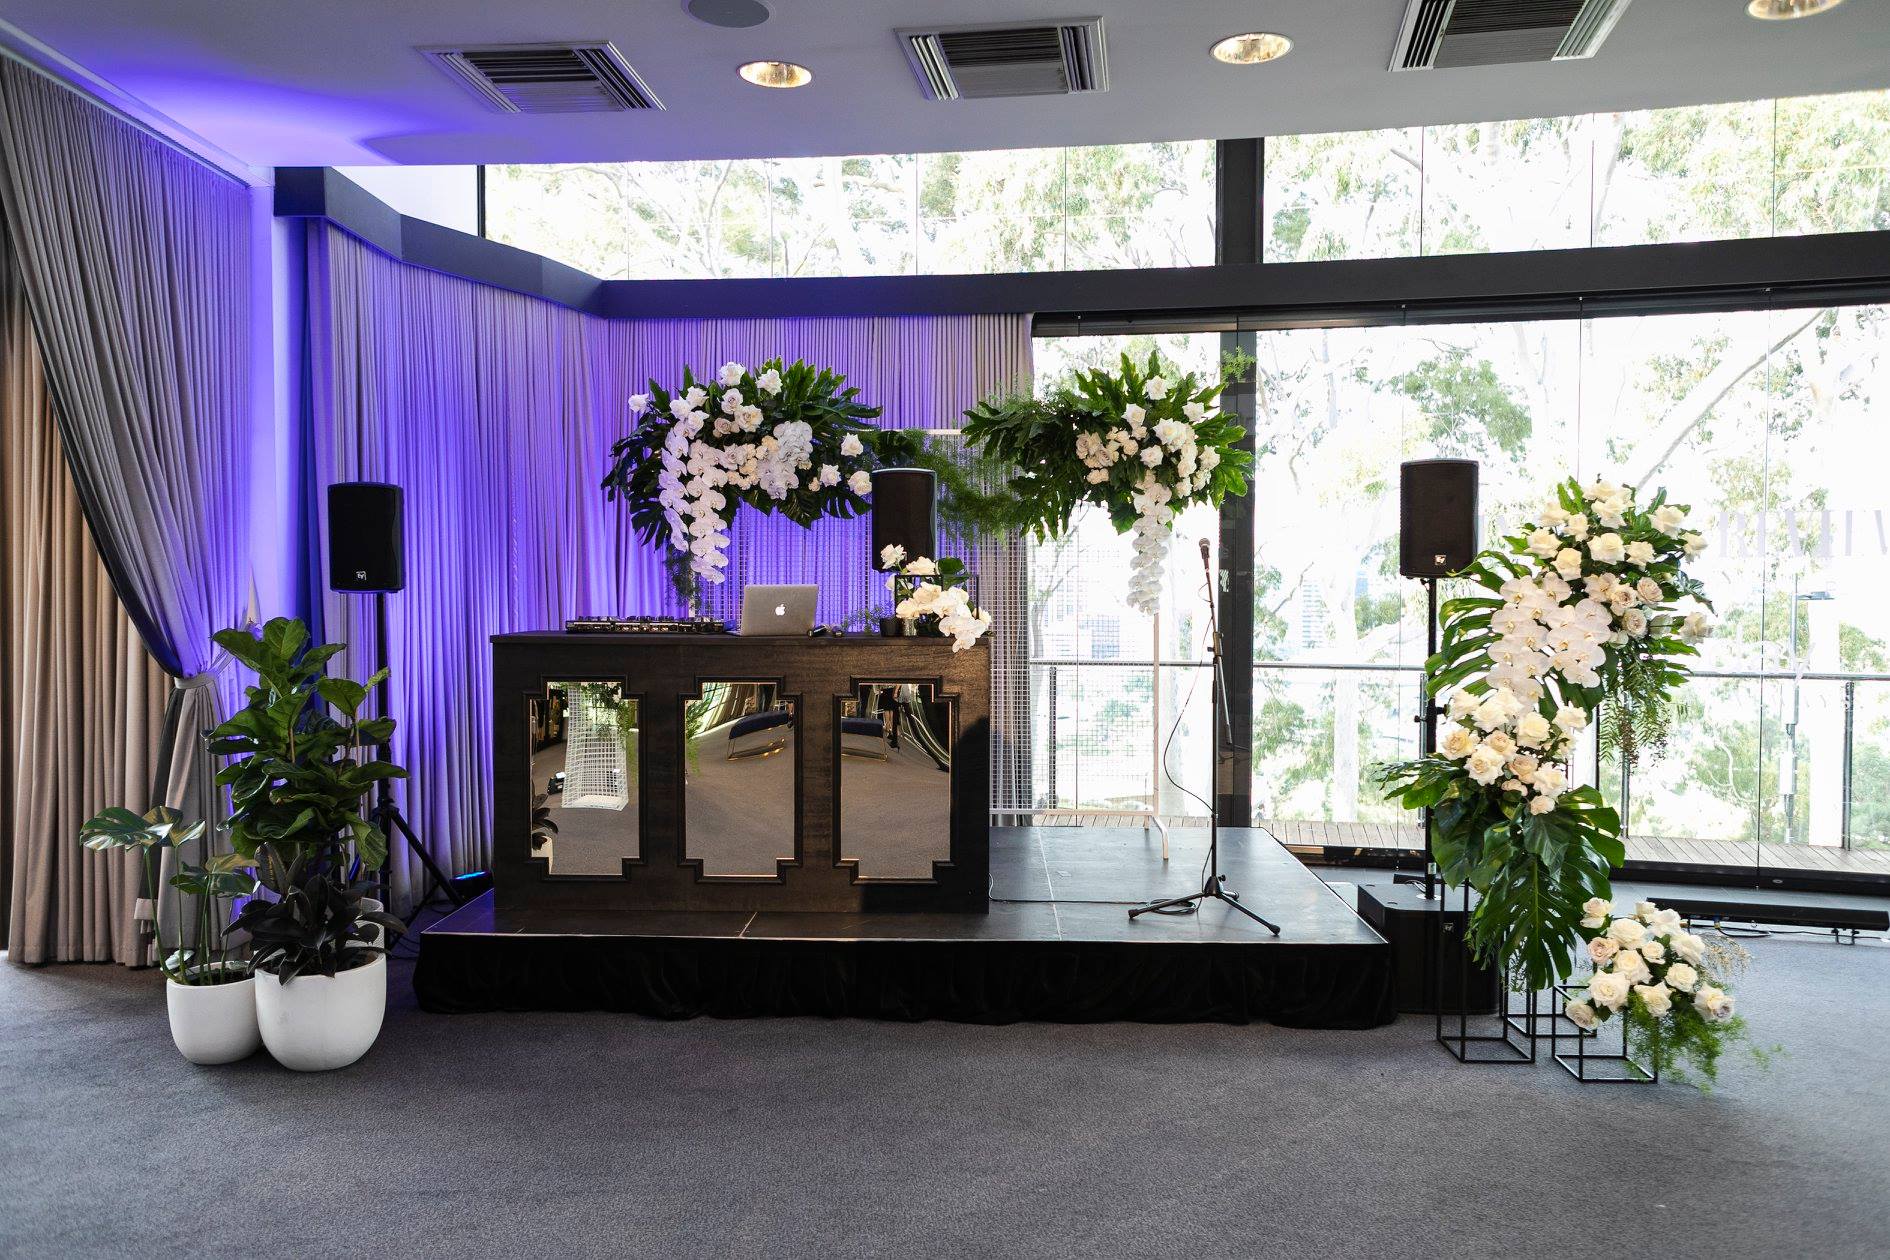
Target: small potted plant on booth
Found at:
x=304, y=763
x=209, y=993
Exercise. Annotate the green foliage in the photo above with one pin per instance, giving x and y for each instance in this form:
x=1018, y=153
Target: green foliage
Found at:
x=301, y=771
x=1038, y=439
x=974, y=498
x=221, y=878
x=317, y=925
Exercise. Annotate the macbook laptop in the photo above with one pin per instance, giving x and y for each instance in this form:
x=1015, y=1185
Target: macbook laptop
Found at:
x=784, y=610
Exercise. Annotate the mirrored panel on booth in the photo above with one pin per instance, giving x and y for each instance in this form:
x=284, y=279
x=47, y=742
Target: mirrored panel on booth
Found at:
x=740, y=764
x=895, y=805
x=584, y=738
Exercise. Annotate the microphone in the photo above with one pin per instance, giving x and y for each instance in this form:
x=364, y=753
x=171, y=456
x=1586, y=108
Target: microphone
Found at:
x=1204, y=552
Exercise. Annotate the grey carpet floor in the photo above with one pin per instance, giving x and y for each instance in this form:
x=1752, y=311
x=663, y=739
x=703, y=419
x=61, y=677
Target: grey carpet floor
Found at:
x=598, y=1135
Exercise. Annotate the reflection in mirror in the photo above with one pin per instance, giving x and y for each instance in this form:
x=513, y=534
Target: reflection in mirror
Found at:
x=895, y=780
x=739, y=769
x=583, y=741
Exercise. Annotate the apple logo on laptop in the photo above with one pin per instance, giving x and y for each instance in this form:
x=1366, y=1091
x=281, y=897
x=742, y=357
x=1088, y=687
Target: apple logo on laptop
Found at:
x=780, y=610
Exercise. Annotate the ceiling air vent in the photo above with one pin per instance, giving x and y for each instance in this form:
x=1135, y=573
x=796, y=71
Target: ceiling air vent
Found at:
x=547, y=78
x=1013, y=59
x=1445, y=34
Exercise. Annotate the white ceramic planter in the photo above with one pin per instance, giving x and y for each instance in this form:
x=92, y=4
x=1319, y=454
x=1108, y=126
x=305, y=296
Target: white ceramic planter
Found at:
x=318, y=1023
x=213, y=1023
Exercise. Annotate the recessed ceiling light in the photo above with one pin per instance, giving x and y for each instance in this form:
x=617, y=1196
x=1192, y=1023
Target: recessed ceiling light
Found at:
x=1786, y=10
x=1252, y=48
x=775, y=74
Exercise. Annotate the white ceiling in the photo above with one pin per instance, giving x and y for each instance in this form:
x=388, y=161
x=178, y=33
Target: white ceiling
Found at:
x=337, y=82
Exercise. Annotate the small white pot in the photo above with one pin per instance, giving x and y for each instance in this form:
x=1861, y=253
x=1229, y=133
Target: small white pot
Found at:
x=318, y=1023
x=213, y=1023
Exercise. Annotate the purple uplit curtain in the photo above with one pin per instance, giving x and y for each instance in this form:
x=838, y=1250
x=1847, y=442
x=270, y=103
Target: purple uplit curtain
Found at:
x=496, y=412
x=135, y=265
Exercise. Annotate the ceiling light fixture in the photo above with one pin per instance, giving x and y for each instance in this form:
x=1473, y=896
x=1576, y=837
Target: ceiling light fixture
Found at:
x=1786, y=10
x=775, y=74
x=1252, y=48
x=733, y=14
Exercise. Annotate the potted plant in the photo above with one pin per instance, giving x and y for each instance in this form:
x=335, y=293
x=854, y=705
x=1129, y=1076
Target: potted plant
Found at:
x=321, y=963
x=304, y=761
x=209, y=995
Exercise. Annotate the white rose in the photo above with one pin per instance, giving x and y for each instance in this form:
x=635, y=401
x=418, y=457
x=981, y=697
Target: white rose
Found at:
x=1485, y=764
x=1568, y=563
x=1601, y=950
x=1151, y=455
x=1634, y=623
x=861, y=483
x=1632, y=967
x=1609, y=990
x=1501, y=742
x=1690, y=947
x=1544, y=544
x=1156, y=389
x=1657, y=998
x=891, y=556
x=1458, y=742
x=1542, y=804
x=1577, y=527
x=1649, y=590
x=1641, y=553
x=1653, y=951
x=769, y=382
x=1570, y=718
x=1597, y=907
x=922, y=566
x=1695, y=627
x=1645, y=911
x=1668, y=519
x=829, y=475
x=1716, y=1004
x=1607, y=549
x=731, y=373
x=1550, y=781
x=1133, y=415
x=1533, y=730
x=1693, y=543
x=1523, y=766
x=1682, y=977
x=1552, y=514
x=851, y=445
x=1628, y=931
x=1462, y=704
x=1581, y=1014
x=1097, y=476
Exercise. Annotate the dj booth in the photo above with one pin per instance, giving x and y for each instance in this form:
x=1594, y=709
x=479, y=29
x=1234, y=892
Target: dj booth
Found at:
x=716, y=772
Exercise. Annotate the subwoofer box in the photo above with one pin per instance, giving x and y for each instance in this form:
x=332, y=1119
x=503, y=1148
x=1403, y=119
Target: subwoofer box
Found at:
x=1400, y=914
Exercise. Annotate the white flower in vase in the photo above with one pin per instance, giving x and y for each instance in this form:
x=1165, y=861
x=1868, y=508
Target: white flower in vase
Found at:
x=891, y=556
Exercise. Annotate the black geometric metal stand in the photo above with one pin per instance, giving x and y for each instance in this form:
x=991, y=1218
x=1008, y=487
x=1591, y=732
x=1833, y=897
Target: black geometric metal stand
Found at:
x=1509, y=1035
x=1584, y=1055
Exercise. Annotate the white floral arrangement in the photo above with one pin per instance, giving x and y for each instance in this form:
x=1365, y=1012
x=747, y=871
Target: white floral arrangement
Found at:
x=925, y=588
x=782, y=438
x=1665, y=982
x=1585, y=609
x=1144, y=443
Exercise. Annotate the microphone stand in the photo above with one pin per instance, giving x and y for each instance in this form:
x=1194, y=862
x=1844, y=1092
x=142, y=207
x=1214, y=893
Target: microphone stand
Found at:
x=1215, y=885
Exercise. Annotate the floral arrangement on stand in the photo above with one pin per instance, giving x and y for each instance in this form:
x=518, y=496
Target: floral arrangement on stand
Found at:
x=1143, y=443
x=786, y=438
x=932, y=593
x=1665, y=983
x=1585, y=609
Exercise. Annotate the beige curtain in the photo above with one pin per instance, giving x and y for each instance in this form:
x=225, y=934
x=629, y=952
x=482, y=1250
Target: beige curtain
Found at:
x=82, y=700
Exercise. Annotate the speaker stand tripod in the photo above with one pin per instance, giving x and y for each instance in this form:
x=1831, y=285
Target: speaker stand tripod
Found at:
x=1215, y=884
x=387, y=815
x=1427, y=736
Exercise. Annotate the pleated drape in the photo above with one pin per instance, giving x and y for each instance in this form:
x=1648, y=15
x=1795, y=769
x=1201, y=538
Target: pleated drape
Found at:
x=80, y=697
x=496, y=413
x=135, y=261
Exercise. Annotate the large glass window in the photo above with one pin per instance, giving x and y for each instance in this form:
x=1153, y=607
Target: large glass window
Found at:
x=1705, y=172
x=1761, y=420
x=1131, y=205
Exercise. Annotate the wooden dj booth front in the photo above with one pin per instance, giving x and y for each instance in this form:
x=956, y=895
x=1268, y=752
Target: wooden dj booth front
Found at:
x=705, y=772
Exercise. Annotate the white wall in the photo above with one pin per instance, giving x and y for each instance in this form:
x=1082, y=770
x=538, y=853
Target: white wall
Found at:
x=448, y=195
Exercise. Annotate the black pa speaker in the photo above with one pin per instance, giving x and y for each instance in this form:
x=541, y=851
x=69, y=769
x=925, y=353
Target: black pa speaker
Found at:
x=367, y=545
x=1437, y=516
x=905, y=512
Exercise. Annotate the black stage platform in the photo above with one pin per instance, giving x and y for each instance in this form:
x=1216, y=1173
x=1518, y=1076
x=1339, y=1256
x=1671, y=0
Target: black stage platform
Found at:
x=1057, y=945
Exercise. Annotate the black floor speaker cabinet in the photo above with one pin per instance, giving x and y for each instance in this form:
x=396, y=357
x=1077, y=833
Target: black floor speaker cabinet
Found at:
x=1400, y=914
x=1437, y=516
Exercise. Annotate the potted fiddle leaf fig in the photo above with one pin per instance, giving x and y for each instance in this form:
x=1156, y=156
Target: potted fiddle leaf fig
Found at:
x=303, y=763
x=209, y=993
